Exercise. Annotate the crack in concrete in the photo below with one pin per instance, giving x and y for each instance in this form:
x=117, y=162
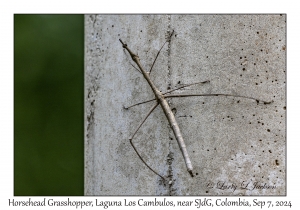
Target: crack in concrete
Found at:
x=90, y=127
x=170, y=157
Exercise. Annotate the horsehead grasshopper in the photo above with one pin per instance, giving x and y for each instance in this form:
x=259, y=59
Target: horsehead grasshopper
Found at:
x=160, y=99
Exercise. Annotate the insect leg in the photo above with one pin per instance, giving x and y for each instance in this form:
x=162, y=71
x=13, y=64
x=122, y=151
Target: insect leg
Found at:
x=217, y=94
x=169, y=91
x=169, y=39
x=131, y=138
x=138, y=104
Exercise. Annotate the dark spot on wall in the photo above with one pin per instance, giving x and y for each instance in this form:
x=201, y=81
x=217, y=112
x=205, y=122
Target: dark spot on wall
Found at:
x=244, y=69
x=284, y=109
x=257, y=32
x=241, y=57
x=112, y=26
x=270, y=151
x=268, y=130
x=174, y=110
x=283, y=47
x=277, y=162
x=178, y=82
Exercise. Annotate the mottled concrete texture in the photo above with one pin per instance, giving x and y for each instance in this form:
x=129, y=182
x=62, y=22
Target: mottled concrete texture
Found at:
x=237, y=147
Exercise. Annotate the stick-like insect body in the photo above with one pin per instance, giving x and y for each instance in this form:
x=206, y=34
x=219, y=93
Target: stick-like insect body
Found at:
x=167, y=110
x=161, y=100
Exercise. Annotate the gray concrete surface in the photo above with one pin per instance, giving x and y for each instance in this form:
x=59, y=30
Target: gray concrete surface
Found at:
x=237, y=147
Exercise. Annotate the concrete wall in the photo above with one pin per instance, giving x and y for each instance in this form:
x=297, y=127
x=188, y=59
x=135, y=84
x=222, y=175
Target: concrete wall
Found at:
x=233, y=143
